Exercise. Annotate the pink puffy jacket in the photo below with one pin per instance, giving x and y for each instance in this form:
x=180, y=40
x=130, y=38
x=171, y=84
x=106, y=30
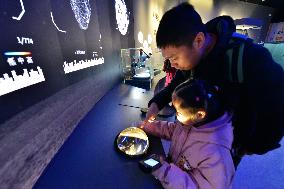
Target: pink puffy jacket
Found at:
x=200, y=157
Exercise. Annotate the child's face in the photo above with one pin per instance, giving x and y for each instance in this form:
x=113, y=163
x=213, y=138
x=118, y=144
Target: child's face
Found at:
x=186, y=116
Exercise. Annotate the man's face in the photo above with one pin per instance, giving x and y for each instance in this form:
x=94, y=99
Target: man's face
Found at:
x=182, y=57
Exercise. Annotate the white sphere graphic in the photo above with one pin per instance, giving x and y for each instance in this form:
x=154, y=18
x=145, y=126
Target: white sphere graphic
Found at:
x=122, y=17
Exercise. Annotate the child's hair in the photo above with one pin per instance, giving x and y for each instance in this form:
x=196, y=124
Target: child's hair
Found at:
x=198, y=94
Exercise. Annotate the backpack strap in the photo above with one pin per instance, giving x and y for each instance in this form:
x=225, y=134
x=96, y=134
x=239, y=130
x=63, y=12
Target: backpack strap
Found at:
x=234, y=57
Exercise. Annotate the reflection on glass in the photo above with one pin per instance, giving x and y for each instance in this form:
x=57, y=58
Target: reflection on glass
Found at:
x=132, y=141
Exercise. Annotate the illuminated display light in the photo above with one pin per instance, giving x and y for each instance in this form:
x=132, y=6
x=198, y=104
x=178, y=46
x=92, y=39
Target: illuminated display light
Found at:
x=82, y=64
x=140, y=37
x=149, y=39
x=16, y=82
x=248, y=23
x=17, y=53
x=82, y=12
x=22, y=12
x=145, y=45
x=142, y=75
x=52, y=19
x=122, y=18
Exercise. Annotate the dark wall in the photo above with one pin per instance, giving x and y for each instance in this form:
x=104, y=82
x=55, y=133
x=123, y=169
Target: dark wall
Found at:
x=49, y=48
x=278, y=16
x=240, y=9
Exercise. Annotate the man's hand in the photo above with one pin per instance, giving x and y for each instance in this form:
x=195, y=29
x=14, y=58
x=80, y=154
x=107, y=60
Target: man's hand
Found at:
x=152, y=112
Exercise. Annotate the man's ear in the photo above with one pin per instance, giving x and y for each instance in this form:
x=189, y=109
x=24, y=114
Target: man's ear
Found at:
x=201, y=114
x=199, y=40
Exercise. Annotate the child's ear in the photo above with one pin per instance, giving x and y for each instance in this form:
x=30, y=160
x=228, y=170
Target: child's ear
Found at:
x=201, y=114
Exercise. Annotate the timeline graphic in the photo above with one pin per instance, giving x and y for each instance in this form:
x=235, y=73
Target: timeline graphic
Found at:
x=16, y=82
x=82, y=64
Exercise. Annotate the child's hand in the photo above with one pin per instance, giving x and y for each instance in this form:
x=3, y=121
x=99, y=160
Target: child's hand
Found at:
x=140, y=124
x=145, y=122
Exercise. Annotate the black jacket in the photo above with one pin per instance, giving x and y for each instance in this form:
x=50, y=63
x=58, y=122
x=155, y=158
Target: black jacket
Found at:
x=257, y=103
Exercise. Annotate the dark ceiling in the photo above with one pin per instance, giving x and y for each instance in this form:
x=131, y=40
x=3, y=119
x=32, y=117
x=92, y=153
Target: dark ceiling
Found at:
x=271, y=3
x=278, y=6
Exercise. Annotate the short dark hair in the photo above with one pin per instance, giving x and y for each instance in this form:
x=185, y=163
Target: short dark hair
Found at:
x=179, y=26
x=198, y=94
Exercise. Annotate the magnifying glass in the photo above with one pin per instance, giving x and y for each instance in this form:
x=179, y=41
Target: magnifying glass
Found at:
x=132, y=142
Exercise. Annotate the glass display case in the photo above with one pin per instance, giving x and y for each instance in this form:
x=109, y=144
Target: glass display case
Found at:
x=136, y=67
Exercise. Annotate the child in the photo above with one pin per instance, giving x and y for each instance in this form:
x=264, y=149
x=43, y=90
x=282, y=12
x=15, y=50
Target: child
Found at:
x=201, y=140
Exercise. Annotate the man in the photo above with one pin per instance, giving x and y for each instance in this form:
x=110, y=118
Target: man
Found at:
x=198, y=51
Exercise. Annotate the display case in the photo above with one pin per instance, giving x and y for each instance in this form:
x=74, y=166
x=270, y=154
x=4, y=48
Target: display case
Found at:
x=136, y=67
